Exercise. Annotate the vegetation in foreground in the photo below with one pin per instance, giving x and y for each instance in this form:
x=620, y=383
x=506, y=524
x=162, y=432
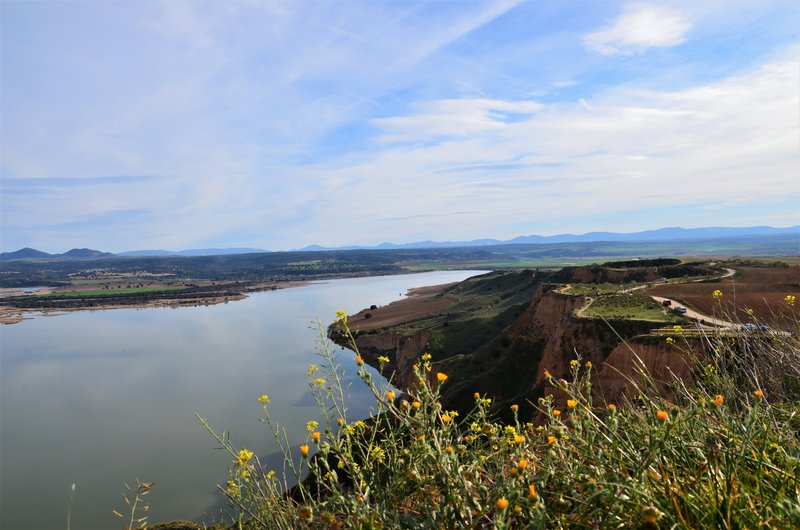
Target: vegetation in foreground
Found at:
x=722, y=452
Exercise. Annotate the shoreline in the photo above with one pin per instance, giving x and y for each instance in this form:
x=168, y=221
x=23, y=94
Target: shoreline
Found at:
x=13, y=315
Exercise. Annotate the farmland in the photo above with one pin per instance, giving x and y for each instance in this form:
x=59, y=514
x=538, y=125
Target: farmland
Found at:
x=754, y=294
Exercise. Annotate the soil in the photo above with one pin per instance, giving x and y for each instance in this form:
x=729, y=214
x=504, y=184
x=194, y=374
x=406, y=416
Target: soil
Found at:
x=421, y=302
x=753, y=294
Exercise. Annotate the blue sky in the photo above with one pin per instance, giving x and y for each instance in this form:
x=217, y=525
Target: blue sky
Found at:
x=147, y=124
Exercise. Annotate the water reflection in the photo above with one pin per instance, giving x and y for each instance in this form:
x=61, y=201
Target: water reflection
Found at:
x=101, y=398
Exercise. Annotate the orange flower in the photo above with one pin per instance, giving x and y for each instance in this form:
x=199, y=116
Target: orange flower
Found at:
x=532, y=492
x=556, y=413
x=446, y=418
x=547, y=374
x=304, y=450
x=448, y=449
x=515, y=407
x=359, y=360
x=552, y=440
x=476, y=395
x=759, y=394
x=571, y=403
x=315, y=436
x=518, y=439
x=441, y=377
x=522, y=464
x=662, y=415
x=502, y=503
x=588, y=364
x=416, y=404
x=612, y=407
x=719, y=400
x=389, y=395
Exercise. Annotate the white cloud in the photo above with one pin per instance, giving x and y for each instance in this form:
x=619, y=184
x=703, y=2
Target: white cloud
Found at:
x=731, y=142
x=638, y=28
x=455, y=117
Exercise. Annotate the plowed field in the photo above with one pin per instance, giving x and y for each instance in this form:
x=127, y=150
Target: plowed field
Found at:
x=754, y=294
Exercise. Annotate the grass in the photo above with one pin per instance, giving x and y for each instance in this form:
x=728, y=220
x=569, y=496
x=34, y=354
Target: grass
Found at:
x=631, y=306
x=111, y=292
x=582, y=289
x=720, y=451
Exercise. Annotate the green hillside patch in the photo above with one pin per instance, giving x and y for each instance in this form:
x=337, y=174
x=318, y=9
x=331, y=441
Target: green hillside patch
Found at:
x=629, y=306
x=111, y=292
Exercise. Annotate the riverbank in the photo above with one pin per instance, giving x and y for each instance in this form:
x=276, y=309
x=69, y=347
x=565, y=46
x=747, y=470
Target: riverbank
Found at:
x=15, y=308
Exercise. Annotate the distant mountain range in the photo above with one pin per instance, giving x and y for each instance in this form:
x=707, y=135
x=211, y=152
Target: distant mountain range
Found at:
x=193, y=252
x=661, y=234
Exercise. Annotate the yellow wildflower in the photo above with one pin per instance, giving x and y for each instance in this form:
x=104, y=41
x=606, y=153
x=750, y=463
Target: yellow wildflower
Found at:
x=243, y=457
x=670, y=340
x=312, y=425
x=341, y=315
x=789, y=299
x=264, y=399
x=312, y=369
x=383, y=359
x=517, y=508
x=446, y=418
x=426, y=356
x=717, y=294
x=319, y=381
x=441, y=377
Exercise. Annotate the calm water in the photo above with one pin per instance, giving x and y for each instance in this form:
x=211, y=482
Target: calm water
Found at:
x=102, y=398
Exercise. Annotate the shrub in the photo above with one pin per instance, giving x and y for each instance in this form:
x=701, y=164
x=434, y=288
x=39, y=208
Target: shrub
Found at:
x=721, y=454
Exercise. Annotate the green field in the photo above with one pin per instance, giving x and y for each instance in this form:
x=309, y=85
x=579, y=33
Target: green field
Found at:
x=111, y=292
x=631, y=306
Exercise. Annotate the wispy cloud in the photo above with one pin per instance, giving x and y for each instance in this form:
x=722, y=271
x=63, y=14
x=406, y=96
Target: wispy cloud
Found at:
x=638, y=28
x=280, y=124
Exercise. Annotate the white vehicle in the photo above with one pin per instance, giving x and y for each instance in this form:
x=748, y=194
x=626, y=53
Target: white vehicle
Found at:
x=680, y=309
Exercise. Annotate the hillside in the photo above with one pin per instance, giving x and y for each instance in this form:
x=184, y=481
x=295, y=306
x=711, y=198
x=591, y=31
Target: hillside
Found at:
x=498, y=333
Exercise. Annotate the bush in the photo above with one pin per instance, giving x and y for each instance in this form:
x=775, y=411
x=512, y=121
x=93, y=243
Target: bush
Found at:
x=723, y=453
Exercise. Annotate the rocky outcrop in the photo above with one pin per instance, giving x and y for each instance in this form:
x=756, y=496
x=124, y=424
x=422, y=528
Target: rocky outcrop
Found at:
x=509, y=364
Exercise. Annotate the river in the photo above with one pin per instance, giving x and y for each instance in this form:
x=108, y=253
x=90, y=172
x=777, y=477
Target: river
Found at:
x=102, y=398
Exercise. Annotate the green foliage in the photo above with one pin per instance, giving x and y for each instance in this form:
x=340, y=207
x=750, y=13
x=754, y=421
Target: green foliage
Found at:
x=721, y=453
x=111, y=292
x=629, y=306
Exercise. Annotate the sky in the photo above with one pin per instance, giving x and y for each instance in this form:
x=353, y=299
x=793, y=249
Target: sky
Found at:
x=185, y=124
